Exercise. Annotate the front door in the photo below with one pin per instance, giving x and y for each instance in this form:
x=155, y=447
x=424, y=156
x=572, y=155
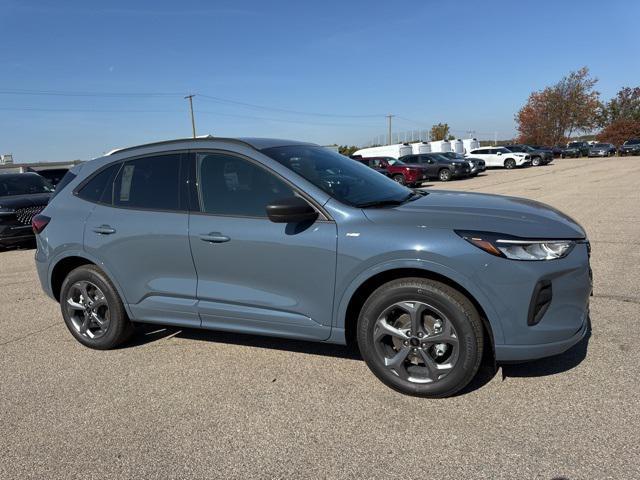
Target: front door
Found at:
x=254, y=275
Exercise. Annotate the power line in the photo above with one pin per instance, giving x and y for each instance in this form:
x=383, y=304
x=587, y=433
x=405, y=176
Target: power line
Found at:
x=212, y=98
x=284, y=110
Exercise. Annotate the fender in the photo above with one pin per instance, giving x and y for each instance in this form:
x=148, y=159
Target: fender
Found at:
x=83, y=254
x=340, y=310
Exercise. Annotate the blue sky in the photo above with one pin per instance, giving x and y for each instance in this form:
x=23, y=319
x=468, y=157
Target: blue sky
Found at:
x=470, y=64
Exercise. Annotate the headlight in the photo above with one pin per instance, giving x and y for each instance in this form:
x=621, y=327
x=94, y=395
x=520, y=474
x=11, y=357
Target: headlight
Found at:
x=512, y=248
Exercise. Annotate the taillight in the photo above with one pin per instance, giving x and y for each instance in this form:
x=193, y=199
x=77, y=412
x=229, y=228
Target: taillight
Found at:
x=39, y=222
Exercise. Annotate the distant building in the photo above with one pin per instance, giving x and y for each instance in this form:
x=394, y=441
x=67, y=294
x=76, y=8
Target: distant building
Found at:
x=10, y=167
x=6, y=159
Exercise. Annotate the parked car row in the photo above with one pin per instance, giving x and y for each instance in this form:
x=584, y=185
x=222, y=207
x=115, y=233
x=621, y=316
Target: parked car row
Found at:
x=592, y=149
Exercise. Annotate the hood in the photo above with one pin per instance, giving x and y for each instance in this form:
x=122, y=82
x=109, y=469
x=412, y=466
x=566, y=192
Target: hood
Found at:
x=482, y=212
x=24, y=201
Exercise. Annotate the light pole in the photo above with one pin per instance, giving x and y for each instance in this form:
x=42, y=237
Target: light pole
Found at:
x=193, y=120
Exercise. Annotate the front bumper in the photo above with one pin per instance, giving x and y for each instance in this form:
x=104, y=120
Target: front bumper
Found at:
x=524, y=353
x=624, y=151
x=511, y=286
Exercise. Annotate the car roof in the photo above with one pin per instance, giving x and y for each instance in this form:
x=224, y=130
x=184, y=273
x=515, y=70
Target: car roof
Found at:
x=13, y=174
x=254, y=142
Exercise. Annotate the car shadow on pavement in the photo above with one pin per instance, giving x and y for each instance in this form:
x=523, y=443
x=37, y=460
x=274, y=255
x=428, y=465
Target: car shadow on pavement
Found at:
x=147, y=333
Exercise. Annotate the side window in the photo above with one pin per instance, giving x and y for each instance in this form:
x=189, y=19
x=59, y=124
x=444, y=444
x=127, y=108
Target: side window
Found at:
x=375, y=163
x=230, y=185
x=99, y=187
x=149, y=183
x=482, y=151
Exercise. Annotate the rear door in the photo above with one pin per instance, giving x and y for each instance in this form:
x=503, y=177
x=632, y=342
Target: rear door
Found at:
x=139, y=229
x=254, y=275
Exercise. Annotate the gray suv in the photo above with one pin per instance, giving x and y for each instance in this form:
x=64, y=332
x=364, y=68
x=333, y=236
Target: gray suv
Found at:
x=290, y=239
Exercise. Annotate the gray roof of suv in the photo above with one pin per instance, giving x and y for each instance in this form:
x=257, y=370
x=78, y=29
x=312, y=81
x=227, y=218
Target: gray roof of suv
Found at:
x=257, y=143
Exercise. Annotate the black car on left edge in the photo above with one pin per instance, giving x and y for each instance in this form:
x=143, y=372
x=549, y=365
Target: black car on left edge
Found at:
x=22, y=196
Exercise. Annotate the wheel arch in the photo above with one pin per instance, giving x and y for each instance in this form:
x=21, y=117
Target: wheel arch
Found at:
x=63, y=265
x=365, y=287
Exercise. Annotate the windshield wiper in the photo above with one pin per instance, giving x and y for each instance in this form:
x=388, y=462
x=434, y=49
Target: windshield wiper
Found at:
x=388, y=202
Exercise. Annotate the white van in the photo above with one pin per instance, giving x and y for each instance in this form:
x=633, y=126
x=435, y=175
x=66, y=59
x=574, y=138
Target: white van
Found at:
x=440, y=146
x=469, y=144
x=396, y=151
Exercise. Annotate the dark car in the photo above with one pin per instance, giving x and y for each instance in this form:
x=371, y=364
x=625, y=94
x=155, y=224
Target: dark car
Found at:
x=401, y=172
x=22, y=196
x=602, y=150
x=52, y=175
x=582, y=148
x=440, y=167
x=477, y=164
x=569, y=152
x=538, y=156
x=630, y=147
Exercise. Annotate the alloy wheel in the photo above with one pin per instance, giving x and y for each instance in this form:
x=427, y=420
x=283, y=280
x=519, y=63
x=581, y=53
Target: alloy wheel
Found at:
x=88, y=309
x=416, y=341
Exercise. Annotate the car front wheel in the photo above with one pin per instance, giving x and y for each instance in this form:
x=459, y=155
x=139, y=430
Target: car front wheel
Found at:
x=535, y=161
x=93, y=310
x=421, y=337
x=509, y=163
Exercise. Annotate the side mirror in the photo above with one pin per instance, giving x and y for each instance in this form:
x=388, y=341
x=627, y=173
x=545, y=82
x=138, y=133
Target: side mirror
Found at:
x=291, y=210
x=499, y=153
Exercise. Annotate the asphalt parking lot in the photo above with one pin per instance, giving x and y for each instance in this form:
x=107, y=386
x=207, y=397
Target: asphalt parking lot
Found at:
x=189, y=404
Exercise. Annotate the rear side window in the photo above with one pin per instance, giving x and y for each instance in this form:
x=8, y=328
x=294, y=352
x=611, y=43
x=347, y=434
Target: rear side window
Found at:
x=149, y=183
x=64, y=181
x=99, y=187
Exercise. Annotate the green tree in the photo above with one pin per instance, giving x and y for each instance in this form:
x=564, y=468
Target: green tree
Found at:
x=440, y=132
x=624, y=106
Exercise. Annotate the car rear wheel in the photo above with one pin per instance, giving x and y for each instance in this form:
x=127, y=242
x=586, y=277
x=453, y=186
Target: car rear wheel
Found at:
x=399, y=178
x=444, y=175
x=509, y=163
x=421, y=337
x=535, y=161
x=93, y=310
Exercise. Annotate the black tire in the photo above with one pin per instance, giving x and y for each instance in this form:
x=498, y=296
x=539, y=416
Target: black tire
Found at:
x=119, y=328
x=536, y=161
x=509, y=163
x=399, y=178
x=458, y=310
x=444, y=175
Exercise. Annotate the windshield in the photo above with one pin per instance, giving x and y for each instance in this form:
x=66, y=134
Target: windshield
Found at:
x=393, y=161
x=23, y=184
x=345, y=180
x=601, y=145
x=502, y=150
x=575, y=144
x=635, y=141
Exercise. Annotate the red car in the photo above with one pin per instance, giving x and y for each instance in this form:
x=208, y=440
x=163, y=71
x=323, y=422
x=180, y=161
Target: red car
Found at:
x=409, y=174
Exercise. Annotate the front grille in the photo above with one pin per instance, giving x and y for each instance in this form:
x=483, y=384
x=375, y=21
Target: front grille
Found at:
x=25, y=215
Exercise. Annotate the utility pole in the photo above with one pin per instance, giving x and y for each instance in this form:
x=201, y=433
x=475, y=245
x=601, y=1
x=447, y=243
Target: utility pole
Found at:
x=389, y=117
x=193, y=120
x=495, y=138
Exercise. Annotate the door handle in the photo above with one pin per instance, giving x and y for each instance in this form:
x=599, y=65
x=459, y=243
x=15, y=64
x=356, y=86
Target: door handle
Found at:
x=214, y=237
x=104, y=230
